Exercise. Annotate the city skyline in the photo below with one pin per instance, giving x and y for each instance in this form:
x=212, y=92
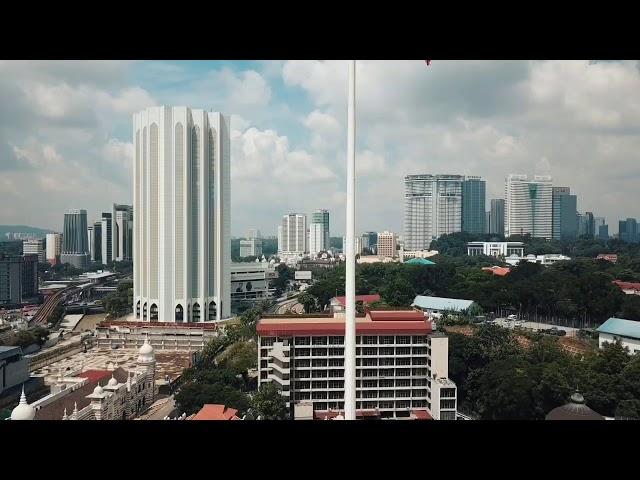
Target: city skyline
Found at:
x=288, y=126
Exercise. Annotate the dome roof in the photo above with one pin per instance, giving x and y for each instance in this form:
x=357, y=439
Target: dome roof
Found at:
x=112, y=382
x=98, y=390
x=146, y=348
x=576, y=409
x=23, y=411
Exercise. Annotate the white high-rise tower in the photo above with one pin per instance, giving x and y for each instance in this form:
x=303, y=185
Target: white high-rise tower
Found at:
x=181, y=240
x=528, y=206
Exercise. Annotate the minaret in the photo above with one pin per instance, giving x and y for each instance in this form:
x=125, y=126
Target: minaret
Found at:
x=23, y=410
x=74, y=415
x=65, y=416
x=147, y=360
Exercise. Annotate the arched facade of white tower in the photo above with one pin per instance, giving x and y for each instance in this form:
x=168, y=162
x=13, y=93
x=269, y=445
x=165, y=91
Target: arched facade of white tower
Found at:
x=181, y=253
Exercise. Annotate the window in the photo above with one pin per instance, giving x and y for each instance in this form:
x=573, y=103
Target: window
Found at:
x=318, y=362
x=267, y=341
x=369, y=351
x=319, y=352
x=372, y=362
x=319, y=395
x=386, y=351
x=403, y=361
x=319, y=340
x=336, y=352
x=302, y=385
x=302, y=341
x=369, y=340
x=335, y=340
x=448, y=393
x=386, y=404
x=336, y=373
x=403, y=339
x=449, y=404
x=403, y=351
x=336, y=384
x=386, y=383
x=447, y=415
x=403, y=372
x=386, y=372
x=301, y=363
x=336, y=362
x=403, y=382
x=386, y=340
x=318, y=384
x=370, y=383
x=335, y=395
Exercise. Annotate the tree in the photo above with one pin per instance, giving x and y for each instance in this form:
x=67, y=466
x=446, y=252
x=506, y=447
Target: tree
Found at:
x=308, y=301
x=269, y=404
x=192, y=396
x=628, y=410
x=398, y=292
x=631, y=307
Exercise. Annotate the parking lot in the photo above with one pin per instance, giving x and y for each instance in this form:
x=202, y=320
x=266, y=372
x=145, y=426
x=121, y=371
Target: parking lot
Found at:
x=507, y=323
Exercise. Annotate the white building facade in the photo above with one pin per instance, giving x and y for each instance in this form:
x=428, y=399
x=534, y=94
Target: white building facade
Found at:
x=34, y=247
x=122, y=232
x=433, y=207
x=292, y=235
x=528, y=206
x=495, y=249
x=54, y=247
x=182, y=248
x=401, y=365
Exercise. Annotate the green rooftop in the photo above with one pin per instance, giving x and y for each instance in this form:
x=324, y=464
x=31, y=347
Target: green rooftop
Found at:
x=419, y=261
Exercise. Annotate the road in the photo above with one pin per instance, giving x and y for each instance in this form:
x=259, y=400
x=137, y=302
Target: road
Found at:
x=287, y=306
x=160, y=409
x=503, y=322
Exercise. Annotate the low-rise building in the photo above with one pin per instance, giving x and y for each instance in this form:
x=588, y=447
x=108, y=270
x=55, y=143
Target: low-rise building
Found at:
x=337, y=304
x=401, y=364
x=495, y=249
x=436, y=306
x=216, y=412
x=609, y=257
x=627, y=332
x=409, y=254
x=14, y=367
x=547, y=259
x=630, y=288
x=499, y=271
x=251, y=280
x=109, y=394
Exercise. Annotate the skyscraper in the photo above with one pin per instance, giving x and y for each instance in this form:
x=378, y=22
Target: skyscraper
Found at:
x=473, y=205
x=95, y=241
x=628, y=230
x=54, y=247
x=253, y=233
x=75, y=249
x=181, y=201
x=107, y=238
x=528, y=206
x=433, y=207
x=319, y=231
x=292, y=234
x=497, y=216
x=565, y=218
x=122, y=233
x=603, y=232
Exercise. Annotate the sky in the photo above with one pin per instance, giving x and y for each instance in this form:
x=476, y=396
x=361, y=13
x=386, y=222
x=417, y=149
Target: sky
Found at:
x=66, y=132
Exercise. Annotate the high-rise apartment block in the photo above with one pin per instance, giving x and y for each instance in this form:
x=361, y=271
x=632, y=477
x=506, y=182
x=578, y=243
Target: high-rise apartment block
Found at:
x=528, y=206
x=53, y=248
x=319, y=231
x=75, y=248
x=292, y=234
x=18, y=278
x=433, y=207
x=181, y=203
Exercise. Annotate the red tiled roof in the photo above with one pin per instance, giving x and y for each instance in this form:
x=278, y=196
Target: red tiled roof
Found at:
x=396, y=316
x=421, y=415
x=500, y=271
x=379, y=327
x=627, y=285
x=612, y=257
x=95, y=375
x=360, y=298
x=216, y=412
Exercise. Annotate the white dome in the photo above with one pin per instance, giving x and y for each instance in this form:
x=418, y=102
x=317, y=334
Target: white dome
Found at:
x=23, y=411
x=146, y=348
x=98, y=390
x=112, y=382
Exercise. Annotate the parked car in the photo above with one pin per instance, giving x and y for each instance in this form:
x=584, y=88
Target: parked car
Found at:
x=561, y=333
x=512, y=317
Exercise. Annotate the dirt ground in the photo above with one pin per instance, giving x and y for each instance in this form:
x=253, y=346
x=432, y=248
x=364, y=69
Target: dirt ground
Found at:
x=89, y=322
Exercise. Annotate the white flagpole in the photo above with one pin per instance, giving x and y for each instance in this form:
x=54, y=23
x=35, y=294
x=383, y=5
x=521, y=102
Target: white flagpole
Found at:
x=350, y=287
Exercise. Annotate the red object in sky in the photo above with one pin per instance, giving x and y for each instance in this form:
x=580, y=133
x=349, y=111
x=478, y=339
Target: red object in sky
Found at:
x=428, y=62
